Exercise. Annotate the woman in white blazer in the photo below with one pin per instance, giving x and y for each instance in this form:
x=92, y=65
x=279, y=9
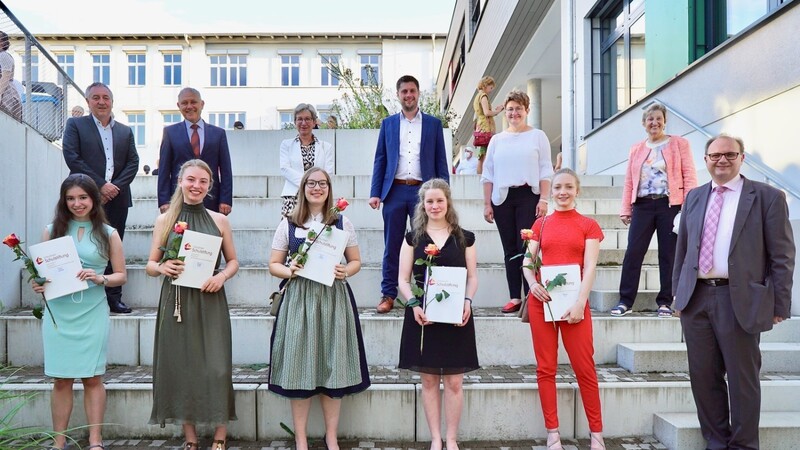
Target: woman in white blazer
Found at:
x=302, y=153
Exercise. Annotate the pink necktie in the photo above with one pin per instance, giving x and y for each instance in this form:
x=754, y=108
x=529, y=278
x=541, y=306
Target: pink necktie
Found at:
x=195, y=141
x=710, y=230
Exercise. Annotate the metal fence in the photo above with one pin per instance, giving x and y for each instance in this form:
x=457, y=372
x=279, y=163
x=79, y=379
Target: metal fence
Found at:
x=41, y=81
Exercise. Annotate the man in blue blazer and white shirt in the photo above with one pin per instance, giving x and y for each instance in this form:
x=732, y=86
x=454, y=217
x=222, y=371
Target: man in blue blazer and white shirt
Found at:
x=732, y=280
x=410, y=151
x=104, y=149
x=210, y=145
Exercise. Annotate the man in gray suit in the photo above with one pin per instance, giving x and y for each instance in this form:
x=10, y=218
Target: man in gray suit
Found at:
x=732, y=280
x=98, y=146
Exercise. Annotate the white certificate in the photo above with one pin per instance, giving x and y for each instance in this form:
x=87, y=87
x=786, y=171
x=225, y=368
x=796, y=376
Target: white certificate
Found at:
x=324, y=255
x=57, y=260
x=453, y=280
x=564, y=296
x=201, y=252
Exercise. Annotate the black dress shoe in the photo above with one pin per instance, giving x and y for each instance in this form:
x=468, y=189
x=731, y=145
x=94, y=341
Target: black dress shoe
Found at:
x=119, y=307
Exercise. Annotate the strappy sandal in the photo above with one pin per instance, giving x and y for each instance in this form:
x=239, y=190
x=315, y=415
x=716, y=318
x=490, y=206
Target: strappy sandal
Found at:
x=100, y=446
x=664, y=311
x=218, y=445
x=190, y=446
x=556, y=443
x=596, y=438
x=620, y=310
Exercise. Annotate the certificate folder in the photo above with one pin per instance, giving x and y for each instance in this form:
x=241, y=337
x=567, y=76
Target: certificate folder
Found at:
x=561, y=297
x=454, y=281
x=57, y=260
x=324, y=255
x=201, y=252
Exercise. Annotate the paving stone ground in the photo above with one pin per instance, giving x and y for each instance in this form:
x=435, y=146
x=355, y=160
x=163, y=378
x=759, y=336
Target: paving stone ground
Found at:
x=623, y=443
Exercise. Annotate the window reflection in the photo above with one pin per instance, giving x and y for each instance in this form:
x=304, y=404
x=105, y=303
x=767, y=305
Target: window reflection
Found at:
x=638, y=60
x=741, y=13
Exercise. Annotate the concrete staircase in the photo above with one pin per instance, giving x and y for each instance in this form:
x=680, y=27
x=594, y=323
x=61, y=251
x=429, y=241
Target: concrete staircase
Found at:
x=641, y=358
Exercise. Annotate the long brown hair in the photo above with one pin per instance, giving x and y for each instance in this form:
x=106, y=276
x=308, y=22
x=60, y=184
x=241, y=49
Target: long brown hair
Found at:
x=302, y=212
x=97, y=216
x=420, y=222
x=176, y=202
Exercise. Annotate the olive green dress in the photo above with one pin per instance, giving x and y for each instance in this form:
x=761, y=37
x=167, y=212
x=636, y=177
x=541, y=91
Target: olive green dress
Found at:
x=192, y=366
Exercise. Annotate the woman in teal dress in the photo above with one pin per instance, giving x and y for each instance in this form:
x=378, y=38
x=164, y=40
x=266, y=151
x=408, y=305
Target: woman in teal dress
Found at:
x=77, y=347
x=192, y=363
x=311, y=356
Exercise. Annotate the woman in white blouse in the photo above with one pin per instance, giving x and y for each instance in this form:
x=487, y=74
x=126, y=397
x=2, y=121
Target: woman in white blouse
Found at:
x=302, y=153
x=516, y=182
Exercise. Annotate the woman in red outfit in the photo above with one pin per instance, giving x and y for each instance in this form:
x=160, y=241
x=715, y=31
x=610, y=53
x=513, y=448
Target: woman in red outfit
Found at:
x=566, y=237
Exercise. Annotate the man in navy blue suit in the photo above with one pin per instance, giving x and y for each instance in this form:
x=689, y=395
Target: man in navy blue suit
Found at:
x=193, y=138
x=104, y=149
x=410, y=151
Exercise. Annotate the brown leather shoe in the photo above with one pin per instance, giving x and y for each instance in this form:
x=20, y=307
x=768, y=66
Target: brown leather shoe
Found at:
x=386, y=304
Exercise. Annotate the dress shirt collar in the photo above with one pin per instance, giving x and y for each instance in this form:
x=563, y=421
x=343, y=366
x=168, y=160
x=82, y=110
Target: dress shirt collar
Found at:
x=734, y=185
x=200, y=126
x=417, y=117
x=100, y=124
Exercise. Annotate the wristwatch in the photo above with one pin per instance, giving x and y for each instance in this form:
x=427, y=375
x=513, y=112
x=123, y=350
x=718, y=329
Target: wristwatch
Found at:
x=105, y=280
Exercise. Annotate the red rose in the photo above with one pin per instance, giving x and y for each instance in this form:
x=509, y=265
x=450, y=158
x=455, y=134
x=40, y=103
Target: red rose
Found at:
x=526, y=234
x=432, y=250
x=180, y=227
x=11, y=240
x=342, y=204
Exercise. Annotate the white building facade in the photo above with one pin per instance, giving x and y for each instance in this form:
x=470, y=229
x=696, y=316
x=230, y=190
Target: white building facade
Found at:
x=257, y=79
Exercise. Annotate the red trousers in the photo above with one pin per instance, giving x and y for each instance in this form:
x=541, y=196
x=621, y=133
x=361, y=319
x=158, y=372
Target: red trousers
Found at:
x=579, y=344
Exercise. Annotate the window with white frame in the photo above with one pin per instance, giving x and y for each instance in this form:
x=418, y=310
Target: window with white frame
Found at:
x=370, y=70
x=171, y=118
x=101, y=68
x=67, y=63
x=290, y=70
x=228, y=70
x=137, y=69
x=136, y=122
x=226, y=119
x=287, y=119
x=173, y=68
x=34, y=66
x=328, y=78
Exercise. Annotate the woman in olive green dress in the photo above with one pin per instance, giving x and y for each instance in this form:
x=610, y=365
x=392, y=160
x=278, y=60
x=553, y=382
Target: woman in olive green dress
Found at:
x=192, y=363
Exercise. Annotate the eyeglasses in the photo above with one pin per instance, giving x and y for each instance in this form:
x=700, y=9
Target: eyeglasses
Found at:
x=730, y=156
x=311, y=184
x=304, y=119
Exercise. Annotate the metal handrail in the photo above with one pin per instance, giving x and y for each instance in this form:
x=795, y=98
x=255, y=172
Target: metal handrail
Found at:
x=768, y=172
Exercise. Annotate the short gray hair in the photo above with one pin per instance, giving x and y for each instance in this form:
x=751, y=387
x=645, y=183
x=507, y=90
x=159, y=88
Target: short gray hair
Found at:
x=305, y=107
x=98, y=84
x=653, y=108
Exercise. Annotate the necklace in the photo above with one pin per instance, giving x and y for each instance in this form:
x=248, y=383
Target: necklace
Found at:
x=438, y=229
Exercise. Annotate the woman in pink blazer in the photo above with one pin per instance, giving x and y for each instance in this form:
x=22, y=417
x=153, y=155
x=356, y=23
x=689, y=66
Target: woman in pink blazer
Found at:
x=659, y=175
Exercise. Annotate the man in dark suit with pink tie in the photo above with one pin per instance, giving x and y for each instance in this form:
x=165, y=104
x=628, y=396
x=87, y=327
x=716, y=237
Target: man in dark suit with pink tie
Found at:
x=193, y=138
x=732, y=280
x=410, y=151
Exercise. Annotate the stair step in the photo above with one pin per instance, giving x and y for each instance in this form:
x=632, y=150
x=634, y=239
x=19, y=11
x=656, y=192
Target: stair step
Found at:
x=253, y=246
x=353, y=186
x=607, y=299
x=266, y=212
x=671, y=356
x=778, y=430
x=495, y=397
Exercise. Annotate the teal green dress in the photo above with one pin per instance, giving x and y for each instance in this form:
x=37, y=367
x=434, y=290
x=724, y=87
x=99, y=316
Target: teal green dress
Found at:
x=192, y=361
x=77, y=348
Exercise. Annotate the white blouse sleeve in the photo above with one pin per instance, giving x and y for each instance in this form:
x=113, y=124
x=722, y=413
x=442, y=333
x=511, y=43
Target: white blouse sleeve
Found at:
x=281, y=239
x=352, y=240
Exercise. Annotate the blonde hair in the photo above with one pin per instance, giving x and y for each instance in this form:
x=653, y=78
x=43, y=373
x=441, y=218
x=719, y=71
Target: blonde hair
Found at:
x=653, y=108
x=486, y=82
x=176, y=202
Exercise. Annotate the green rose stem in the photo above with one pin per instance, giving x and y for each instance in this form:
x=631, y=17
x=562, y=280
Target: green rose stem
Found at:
x=14, y=243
